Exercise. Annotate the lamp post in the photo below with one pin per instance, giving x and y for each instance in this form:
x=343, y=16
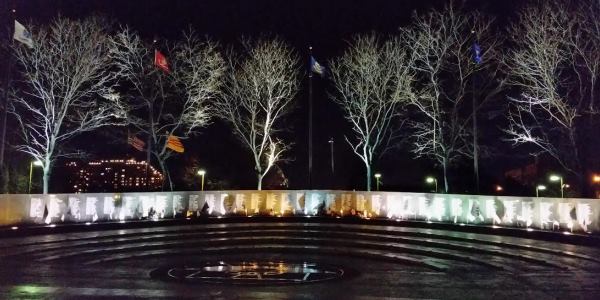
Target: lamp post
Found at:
x=332, y=161
x=562, y=185
x=36, y=163
x=433, y=180
x=539, y=188
x=377, y=178
x=202, y=172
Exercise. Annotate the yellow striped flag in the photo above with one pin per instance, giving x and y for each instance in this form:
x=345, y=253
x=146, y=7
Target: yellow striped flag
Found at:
x=175, y=144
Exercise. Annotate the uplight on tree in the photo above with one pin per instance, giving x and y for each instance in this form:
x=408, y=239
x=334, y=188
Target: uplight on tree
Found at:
x=555, y=65
x=67, y=89
x=372, y=82
x=262, y=81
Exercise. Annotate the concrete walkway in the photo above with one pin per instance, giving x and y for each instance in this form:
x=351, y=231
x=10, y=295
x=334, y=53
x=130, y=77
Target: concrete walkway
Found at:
x=256, y=260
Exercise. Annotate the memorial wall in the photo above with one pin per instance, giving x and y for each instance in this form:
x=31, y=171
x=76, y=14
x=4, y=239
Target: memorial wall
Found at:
x=569, y=214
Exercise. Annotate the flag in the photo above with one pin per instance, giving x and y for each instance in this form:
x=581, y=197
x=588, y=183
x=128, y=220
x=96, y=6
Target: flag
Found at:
x=22, y=35
x=161, y=61
x=174, y=144
x=476, y=53
x=136, y=143
x=316, y=67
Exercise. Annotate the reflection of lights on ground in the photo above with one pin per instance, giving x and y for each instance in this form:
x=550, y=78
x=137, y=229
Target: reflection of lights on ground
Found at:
x=88, y=223
x=121, y=221
x=462, y=224
x=566, y=233
x=14, y=228
x=52, y=225
x=530, y=229
x=494, y=226
x=255, y=272
x=28, y=291
x=188, y=218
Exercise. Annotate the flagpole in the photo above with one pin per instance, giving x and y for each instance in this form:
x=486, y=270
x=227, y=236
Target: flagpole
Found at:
x=150, y=132
x=310, y=121
x=475, y=145
x=7, y=81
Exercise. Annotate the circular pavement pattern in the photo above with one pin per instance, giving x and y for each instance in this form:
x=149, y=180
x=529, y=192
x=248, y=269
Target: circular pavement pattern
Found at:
x=268, y=260
x=257, y=272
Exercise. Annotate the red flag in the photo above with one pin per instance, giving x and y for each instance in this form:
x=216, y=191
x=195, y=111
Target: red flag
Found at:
x=136, y=143
x=161, y=61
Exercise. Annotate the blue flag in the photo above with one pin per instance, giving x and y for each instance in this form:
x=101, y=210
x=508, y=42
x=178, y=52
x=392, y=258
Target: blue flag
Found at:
x=476, y=53
x=316, y=67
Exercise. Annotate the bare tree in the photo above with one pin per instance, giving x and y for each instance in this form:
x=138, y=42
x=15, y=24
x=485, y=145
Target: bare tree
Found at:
x=261, y=85
x=175, y=103
x=442, y=42
x=555, y=65
x=67, y=88
x=372, y=80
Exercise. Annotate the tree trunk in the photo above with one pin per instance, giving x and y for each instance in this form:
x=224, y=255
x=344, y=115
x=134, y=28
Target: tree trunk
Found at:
x=580, y=173
x=260, y=178
x=170, y=181
x=166, y=174
x=445, y=170
x=4, y=178
x=368, y=177
x=46, y=178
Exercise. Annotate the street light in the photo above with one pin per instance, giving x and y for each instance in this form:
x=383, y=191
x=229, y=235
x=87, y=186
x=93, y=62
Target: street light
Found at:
x=433, y=180
x=538, y=189
x=36, y=163
x=202, y=172
x=562, y=185
x=377, y=178
x=499, y=188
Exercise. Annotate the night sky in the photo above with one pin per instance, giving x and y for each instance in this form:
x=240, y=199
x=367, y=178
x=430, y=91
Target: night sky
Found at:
x=327, y=26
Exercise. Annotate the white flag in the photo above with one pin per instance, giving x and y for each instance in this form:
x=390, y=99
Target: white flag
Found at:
x=22, y=35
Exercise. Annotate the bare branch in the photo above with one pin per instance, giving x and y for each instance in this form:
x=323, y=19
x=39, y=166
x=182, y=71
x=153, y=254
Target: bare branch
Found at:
x=555, y=65
x=176, y=103
x=261, y=85
x=69, y=88
x=372, y=81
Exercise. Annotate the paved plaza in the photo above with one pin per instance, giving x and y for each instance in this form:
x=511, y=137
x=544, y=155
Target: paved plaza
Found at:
x=293, y=260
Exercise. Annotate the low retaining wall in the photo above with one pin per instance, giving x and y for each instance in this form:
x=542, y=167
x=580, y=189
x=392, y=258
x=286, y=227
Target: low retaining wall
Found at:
x=580, y=215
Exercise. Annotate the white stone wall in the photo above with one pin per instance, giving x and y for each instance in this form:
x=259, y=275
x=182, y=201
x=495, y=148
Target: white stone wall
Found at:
x=569, y=214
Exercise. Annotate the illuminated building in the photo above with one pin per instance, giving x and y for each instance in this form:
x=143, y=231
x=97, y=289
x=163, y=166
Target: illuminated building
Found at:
x=112, y=175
